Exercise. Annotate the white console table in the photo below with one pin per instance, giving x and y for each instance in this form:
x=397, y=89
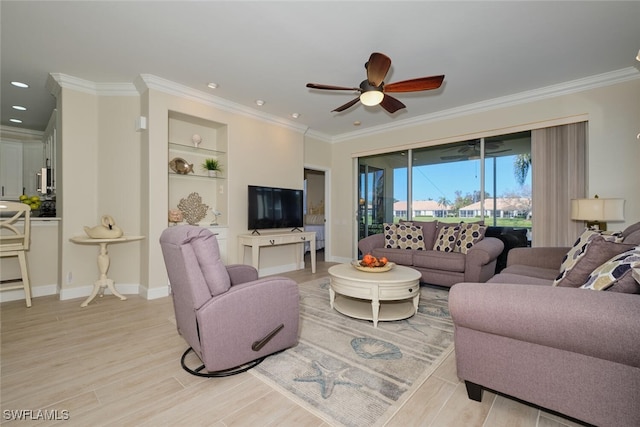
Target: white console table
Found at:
x=256, y=241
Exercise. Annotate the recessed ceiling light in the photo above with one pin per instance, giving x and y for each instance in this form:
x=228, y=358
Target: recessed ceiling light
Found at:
x=19, y=84
x=295, y=115
x=15, y=120
x=259, y=102
x=19, y=107
x=212, y=85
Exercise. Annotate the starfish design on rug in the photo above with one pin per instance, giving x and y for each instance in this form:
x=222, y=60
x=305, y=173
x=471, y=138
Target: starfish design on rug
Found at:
x=327, y=378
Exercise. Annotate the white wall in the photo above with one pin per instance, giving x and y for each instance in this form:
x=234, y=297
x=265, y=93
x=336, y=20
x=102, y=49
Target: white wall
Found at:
x=259, y=152
x=108, y=167
x=613, y=113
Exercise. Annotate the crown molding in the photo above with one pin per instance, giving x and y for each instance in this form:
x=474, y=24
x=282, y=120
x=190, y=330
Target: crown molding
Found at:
x=20, y=134
x=149, y=81
x=574, y=86
x=59, y=81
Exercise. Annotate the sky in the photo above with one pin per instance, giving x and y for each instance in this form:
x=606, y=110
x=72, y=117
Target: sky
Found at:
x=435, y=181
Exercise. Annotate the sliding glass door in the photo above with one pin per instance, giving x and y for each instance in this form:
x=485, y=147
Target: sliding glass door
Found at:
x=480, y=179
x=382, y=181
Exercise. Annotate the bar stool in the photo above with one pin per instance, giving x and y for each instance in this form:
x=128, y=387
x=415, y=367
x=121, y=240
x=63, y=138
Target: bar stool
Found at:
x=15, y=228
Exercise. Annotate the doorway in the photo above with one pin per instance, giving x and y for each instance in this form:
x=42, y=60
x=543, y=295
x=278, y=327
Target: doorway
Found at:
x=316, y=207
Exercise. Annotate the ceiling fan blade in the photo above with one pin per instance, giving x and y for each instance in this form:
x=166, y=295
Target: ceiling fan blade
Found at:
x=377, y=68
x=391, y=104
x=415, y=85
x=458, y=157
x=347, y=105
x=330, y=87
x=491, y=153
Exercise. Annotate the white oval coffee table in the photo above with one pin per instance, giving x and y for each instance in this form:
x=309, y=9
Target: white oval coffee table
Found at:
x=390, y=295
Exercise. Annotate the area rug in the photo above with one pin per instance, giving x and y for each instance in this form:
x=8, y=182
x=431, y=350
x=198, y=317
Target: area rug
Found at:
x=348, y=372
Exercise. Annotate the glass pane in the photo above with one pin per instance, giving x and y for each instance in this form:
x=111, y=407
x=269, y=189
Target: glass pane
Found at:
x=380, y=177
x=445, y=179
x=508, y=181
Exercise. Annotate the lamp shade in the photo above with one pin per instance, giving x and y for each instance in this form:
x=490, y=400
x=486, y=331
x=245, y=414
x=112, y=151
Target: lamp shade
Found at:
x=597, y=209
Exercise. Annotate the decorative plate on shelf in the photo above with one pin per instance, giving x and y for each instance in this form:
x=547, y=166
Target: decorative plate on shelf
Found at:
x=388, y=266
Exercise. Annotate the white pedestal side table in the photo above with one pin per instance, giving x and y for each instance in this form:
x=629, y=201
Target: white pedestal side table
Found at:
x=103, y=264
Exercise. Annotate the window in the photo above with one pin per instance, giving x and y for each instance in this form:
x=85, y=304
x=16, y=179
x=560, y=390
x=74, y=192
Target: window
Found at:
x=444, y=183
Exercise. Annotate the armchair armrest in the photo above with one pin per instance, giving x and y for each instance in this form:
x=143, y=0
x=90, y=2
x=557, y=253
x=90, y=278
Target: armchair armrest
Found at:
x=543, y=257
x=369, y=243
x=241, y=273
x=599, y=324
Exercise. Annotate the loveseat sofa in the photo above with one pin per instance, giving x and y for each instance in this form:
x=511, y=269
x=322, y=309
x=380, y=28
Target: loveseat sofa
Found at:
x=569, y=350
x=443, y=253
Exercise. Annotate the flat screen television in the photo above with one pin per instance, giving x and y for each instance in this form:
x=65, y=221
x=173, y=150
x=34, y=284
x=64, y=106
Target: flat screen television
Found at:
x=271, y=207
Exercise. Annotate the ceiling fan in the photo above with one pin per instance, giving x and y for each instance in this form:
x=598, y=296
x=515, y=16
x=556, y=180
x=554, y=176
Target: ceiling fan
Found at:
x=373, y=90
x=474, y=147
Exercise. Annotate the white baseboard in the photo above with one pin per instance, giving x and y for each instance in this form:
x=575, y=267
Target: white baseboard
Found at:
x=340, y=260
x=83, y=292
x=154, y=293
x=37, y=291
x=270, y=271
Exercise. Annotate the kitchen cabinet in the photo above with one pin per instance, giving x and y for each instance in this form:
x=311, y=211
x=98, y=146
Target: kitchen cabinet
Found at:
x=11, y=169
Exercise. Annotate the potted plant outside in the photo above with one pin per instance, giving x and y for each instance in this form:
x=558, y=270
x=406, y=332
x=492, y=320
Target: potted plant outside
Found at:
x=212, y=166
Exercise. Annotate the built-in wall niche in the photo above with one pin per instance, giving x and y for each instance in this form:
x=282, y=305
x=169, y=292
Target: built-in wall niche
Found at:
x=192, y=141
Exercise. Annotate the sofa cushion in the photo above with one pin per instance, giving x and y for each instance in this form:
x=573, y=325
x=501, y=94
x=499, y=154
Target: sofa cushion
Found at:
x=409, y=237
x=579, y=248
x=447, y=237
x=598, y=251
x=390, y=235
x=518, y=279
x=632, y=238
x=470, y=234
x=631, y=229
x=429, y=229
x=547, y=274
x=399, y=256
x=439, y=260
x=616, y=273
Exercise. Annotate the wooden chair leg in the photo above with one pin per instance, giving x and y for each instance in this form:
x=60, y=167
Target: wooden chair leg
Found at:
x=25, y=277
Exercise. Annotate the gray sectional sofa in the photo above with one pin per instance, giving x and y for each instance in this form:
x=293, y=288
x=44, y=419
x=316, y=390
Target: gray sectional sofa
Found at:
x=470, y=259
x=569, y=350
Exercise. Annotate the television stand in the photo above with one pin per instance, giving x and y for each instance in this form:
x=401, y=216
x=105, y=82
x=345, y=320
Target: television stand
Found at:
x=276, y=239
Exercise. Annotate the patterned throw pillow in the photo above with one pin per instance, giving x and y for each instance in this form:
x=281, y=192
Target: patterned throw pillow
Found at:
x=409, y=237
x=598, y=252
x=579, y=248
x=616, y=273
x=390, y=234
x=447, y=237
x=470, y=234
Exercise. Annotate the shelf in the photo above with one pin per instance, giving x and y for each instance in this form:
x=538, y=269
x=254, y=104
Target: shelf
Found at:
x=174, y=175
x=181, y=148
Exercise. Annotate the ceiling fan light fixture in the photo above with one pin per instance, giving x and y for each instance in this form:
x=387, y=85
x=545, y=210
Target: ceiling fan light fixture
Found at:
x=371, y=97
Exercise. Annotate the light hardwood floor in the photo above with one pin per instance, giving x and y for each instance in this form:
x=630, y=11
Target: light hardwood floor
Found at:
x=117, y=363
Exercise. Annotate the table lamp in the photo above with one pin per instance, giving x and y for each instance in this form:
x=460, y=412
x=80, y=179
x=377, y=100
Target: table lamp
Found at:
x=597, y=211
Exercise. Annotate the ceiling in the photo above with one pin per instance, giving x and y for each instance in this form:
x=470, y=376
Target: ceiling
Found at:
x=269, y=50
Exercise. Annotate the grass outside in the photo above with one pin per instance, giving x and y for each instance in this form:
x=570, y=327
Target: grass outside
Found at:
x=500, y=222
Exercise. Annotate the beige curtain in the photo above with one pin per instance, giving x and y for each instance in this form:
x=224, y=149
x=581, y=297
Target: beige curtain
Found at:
x=558, y=163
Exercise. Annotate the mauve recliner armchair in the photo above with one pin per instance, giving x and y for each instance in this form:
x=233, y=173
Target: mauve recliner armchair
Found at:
x=229, y=318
